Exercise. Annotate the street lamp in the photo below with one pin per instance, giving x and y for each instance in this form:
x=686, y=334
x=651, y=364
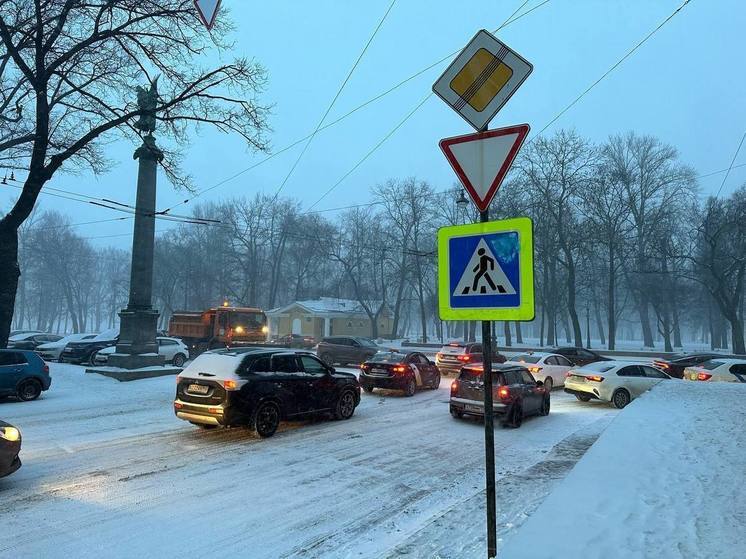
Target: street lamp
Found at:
x=461, y=201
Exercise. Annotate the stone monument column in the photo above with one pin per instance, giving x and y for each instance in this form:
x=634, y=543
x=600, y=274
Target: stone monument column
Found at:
x=137, y=345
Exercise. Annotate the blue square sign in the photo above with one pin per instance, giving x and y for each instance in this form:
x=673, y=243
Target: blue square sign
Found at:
x=485, y=271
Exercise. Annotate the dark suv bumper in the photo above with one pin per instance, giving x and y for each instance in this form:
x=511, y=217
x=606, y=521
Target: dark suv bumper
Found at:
x=9, y=459
x=392, y=382
x=206, y=414
x=474, y=407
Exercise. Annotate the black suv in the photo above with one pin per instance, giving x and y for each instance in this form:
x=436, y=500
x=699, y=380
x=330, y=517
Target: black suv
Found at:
x=260, y=388
x=85, y=351
x=515, y=393
x=346, y=349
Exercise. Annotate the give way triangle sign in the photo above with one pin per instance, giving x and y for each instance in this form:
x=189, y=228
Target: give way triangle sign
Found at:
x=207, y=10
x=482, y=160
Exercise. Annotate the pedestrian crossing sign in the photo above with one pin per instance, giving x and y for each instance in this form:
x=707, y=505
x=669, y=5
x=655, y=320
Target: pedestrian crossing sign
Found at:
x=486, y=271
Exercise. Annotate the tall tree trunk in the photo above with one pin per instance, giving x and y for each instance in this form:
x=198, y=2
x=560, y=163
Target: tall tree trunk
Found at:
x=541, y=327
x=647, y=332
x=506, y=328
x=612, y=299
x=518, y=333
x=9, y=274
x=599, y=321
x=571, y=296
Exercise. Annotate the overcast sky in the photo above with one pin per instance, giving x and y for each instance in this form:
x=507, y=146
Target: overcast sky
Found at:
x=686, y=85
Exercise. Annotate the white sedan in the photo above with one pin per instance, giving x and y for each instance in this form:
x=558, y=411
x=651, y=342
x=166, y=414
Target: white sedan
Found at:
x=618, y=382
x=549, y=368
x=52, y=350
x=718, y=370
x=173, y=350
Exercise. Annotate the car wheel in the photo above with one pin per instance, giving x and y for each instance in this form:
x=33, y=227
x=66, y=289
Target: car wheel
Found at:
x=436, y=382
x=548, y=384
x=266, y=419
x=92, y=359
x=583, y=398
x=345, y=405
x=203, y=425
x=457, y=414
x=621, y=398
x=545, y=405
x=178, y=360
x=368, y=388
x=28, y=390
x=410, y=388
x=515, y=416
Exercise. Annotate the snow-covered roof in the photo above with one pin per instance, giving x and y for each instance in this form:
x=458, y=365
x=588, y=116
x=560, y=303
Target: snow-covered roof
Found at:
x=327, y=306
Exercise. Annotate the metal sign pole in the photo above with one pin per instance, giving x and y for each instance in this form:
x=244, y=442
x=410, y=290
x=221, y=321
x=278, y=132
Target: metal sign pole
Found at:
x=489, y=433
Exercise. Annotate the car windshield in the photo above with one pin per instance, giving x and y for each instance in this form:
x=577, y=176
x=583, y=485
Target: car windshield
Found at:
x=247, y=320
x=453, y=349
x=107, y=335
x=712, y=364
x=527, y=358
x=599, y=367
x=388, y=357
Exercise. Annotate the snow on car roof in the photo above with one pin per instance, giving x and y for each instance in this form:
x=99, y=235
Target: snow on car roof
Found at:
x=107, y=335
x=222, y=365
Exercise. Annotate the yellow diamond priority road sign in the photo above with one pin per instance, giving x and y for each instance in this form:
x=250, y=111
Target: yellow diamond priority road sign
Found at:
x=482, y=78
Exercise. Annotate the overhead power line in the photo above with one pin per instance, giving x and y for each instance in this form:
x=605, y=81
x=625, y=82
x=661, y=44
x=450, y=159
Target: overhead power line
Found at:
x=613, y=67
x=512, y=19
x=725, y=178
x=334, y=100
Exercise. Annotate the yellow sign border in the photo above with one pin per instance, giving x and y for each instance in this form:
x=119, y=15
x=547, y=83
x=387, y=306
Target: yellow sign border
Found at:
x=526, y=311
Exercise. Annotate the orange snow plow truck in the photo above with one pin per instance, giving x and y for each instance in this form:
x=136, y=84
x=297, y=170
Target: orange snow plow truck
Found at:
x=219, y=327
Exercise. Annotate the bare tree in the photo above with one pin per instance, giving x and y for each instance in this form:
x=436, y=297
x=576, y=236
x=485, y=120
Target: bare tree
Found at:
x=652, y=179
x=66, y=76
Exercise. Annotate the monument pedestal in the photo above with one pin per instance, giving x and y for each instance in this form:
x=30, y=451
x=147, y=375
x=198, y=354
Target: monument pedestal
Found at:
x=137, y=346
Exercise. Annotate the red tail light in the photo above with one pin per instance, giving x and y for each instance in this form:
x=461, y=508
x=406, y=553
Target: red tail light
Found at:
x=534, y=369
x=364, y=367
x=595, y=378
x=399, y=368
x=454, y=387
x=439, y=355
x=704, y=376
x=662, y=364
x=178, y=405
x=464, y=358
x=503, y=392
x=230, y=384
x=46, y=368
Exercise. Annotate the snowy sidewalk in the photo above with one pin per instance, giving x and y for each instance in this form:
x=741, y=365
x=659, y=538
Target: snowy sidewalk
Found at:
x=665, y=480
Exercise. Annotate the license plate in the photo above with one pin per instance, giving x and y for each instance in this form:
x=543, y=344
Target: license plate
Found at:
x=379, y=371
x=469, y=407
x=198, y=389
x=68, y=350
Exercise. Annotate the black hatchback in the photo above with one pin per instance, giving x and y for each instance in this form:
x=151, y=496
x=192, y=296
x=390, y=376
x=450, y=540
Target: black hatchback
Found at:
x=515, y=393
x=261, y=388
x=400, y=371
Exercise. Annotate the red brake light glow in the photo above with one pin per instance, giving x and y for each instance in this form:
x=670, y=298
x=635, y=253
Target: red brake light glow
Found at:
x=178, y=405
x=399, y=368
x=464, y=358
x=230, y=384
x=594, y=378
x=454, y=387
x=503, y=392
x=704, y=376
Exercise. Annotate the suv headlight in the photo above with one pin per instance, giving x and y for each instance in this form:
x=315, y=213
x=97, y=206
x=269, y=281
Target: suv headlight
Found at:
x=10, y=433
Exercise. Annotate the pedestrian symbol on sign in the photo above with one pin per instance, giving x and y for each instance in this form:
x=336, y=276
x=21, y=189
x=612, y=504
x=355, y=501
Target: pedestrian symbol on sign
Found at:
x=483, y=275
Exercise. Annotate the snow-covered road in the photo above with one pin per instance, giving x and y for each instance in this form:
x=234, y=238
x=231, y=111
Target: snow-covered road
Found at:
x=110, y=472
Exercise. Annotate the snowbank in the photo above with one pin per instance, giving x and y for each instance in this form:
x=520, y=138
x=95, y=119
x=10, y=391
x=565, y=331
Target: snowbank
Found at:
x=665, y=480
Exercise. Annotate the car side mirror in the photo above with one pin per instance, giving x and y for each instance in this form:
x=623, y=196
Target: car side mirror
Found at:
x=331, y=370
x=539, y=383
